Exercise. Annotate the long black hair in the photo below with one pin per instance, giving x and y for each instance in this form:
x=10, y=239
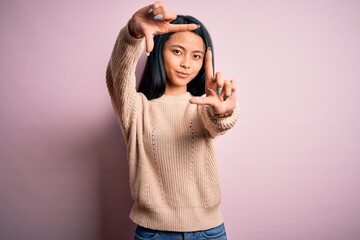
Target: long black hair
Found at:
x=153, y=80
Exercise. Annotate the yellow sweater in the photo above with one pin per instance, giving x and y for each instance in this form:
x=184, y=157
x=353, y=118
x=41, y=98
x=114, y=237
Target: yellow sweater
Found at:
x=173, y=171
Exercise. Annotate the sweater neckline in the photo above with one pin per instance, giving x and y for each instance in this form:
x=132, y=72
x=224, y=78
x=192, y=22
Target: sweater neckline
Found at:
x=174, y=98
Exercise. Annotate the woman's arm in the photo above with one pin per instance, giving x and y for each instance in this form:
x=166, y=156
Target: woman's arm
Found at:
x=120, y=76
x=216, y=124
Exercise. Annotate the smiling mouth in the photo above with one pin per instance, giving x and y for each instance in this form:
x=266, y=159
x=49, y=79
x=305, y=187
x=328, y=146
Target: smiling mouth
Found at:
x=182, y=74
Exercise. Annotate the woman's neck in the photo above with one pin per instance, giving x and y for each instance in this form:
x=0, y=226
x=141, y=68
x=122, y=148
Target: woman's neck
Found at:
x=175, y=90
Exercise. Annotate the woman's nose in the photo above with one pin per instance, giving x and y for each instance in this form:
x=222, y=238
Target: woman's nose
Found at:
x=185, y=63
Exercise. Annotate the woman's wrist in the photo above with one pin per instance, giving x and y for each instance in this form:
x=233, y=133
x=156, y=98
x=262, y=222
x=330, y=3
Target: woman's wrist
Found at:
x=132, y=31
x=224, y=115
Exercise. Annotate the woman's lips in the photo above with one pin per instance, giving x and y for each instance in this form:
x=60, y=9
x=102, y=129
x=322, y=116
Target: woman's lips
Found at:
x=182, y=74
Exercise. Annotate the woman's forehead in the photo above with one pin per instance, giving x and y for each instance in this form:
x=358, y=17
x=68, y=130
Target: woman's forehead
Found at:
x=188, y=40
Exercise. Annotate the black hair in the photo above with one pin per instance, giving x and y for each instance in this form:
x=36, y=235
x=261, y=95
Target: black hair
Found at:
x=153, y=80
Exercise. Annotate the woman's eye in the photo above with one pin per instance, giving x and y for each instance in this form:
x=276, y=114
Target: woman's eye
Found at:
x=177, y=52
x=197, y=56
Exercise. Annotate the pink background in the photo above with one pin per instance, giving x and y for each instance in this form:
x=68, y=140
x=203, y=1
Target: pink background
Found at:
x=290, y=167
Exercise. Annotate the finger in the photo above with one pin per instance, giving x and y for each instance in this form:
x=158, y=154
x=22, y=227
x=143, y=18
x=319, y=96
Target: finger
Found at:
x=203, y=101
x=233, y=95
x=149, y=39
x=182, y=27
x=227, y=89
x=219, y=82
x=157, y=10
x=150, y=8
x=168, y=16
x=155, y=5
x=233, y=86
x=162, y=14
x=209, y=71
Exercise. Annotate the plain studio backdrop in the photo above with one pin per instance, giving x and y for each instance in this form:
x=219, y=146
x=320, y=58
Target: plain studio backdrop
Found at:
x=290, y=168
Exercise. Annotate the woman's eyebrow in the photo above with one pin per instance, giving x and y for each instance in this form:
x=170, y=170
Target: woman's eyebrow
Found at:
x=199, y=51
x=179, y=46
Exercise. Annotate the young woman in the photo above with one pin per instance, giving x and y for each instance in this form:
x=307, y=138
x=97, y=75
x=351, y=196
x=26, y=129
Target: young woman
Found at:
x=170, y=122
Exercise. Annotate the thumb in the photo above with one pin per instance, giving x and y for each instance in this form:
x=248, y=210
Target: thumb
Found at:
x=202, y=101
x=149, y=38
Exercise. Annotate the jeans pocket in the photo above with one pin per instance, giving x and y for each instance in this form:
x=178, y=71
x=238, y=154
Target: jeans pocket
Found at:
x=215, y=233
x=142, y=233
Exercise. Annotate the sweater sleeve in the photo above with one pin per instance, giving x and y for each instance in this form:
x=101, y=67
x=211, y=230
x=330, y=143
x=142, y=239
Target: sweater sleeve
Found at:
x=120, y=77
x=215, y=125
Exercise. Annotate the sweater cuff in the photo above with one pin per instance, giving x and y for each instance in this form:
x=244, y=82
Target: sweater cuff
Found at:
x=128, y=37
x=126, y=52
x=218, y=125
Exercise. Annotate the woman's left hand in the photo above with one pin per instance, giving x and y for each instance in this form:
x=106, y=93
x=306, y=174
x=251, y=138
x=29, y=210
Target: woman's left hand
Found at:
x=155, y=20
x=220, y=93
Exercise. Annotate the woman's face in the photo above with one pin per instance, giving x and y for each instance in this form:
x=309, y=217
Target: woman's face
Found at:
x=183, y=54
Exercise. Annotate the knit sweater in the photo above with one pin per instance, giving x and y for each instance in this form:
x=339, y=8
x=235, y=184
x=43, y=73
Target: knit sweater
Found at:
x=173, y=172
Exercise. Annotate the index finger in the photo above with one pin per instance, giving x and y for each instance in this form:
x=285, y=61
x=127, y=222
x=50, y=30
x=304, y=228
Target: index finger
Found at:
x=182, y=27
x=169, y=16
x=209, y=71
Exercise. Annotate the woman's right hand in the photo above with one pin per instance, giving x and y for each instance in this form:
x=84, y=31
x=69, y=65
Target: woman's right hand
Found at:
x=155, y=20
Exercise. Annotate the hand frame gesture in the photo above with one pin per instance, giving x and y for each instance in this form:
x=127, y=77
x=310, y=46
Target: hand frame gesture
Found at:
x=220, y=93
x=155, y=20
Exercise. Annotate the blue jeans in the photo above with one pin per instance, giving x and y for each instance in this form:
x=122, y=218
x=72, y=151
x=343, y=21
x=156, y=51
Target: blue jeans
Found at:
x=216, y=233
